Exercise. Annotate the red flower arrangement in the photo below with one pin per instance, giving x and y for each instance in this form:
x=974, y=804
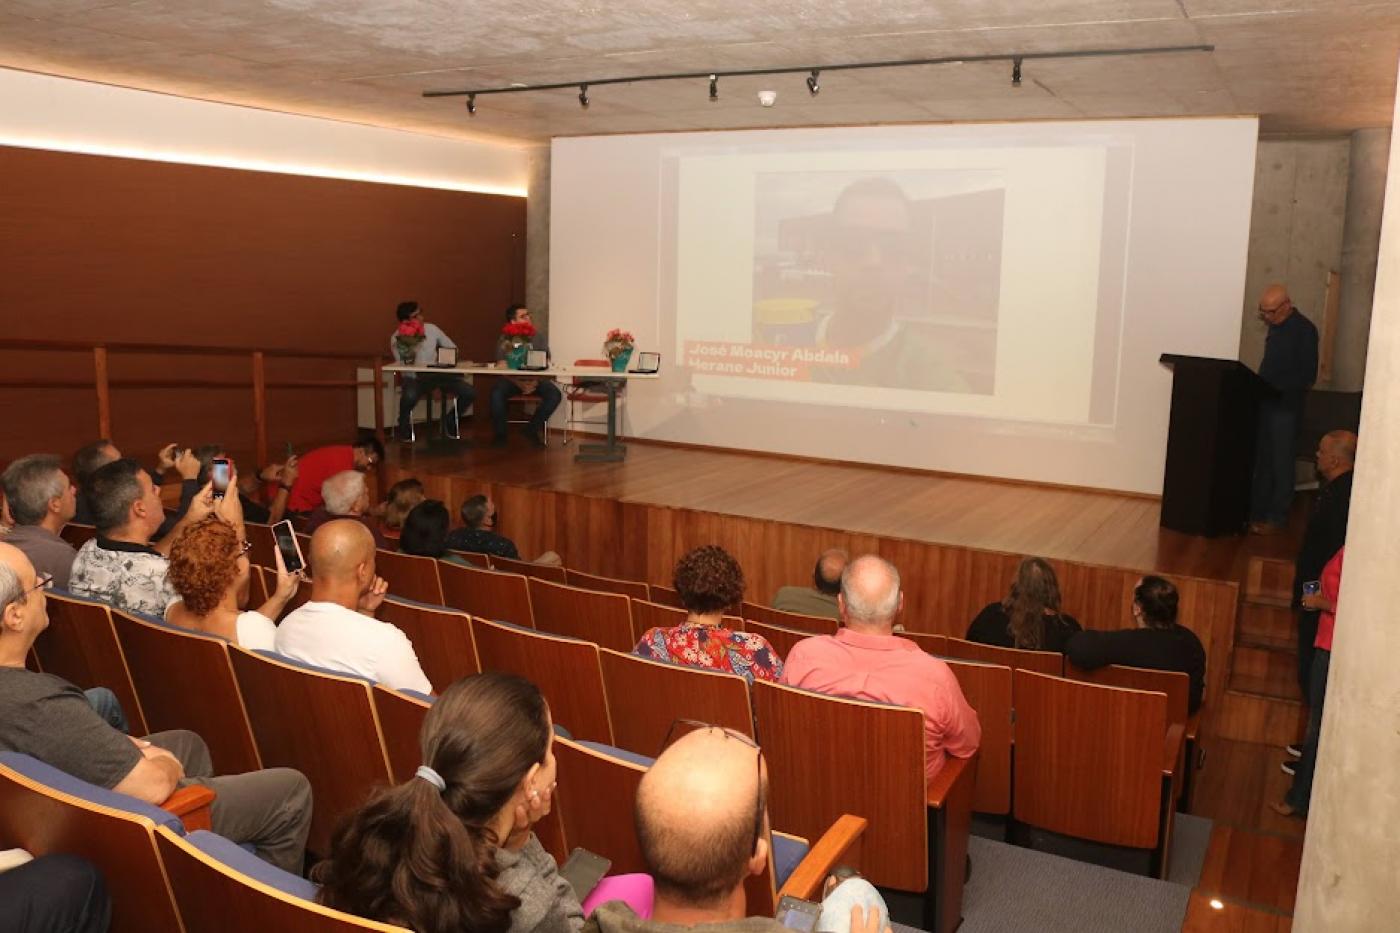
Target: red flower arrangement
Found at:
x=523, y=330
x=407, y=338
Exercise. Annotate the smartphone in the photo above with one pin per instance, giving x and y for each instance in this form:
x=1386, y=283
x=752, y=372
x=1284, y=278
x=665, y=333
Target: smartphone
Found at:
x=1312, y=588
x=290, y=453
x=287, y=544
x=219, y=472
x=797, y=914
x=583, y=871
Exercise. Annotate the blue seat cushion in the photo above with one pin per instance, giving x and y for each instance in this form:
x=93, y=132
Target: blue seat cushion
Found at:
x=293, y=662
x=788, y=853
x=51, y=777
x=246, y=863
x=622, y=753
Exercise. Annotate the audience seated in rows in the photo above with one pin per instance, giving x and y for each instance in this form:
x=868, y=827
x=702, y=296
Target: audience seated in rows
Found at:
x=281, y=474
x=92, y=457
x=702, y=826
x=1029, y=618
x=403, y=496
x=55, y=893
x=425, y=533
x=820, y=598
x=120, y=566
x=865, y=660
x=41, y=501
x=316, y=466
x=1158, y=642
x=710, y=583
x=210, y=571
x=345, y=495
x=478, y=534
x=51, y=720
x=337, y=628
x=453, y=848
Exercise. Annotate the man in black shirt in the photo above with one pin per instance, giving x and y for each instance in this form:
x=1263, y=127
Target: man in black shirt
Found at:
x=480, y=537
x=1290, y=366
x=1324, y=536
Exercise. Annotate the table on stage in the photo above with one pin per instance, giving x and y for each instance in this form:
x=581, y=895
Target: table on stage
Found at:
x=606, y=379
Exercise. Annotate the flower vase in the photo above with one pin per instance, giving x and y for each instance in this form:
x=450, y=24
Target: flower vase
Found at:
x=515, y=355
x=621, y=359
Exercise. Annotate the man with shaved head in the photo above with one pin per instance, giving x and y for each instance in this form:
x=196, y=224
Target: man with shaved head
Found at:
x=820, y=599
x=337, y=628
x=865, y=660
x=1290, y=367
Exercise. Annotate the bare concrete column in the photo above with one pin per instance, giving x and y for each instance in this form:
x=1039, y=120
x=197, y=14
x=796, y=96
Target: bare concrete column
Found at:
x=537, y=238
x=1361, y=240
x=1351, y=856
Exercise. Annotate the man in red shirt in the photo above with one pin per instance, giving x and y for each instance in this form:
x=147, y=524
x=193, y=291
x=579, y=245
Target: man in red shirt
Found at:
x=316, y=466
x=865, y=660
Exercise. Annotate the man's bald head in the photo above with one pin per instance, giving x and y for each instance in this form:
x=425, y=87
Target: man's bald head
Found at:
x=1274, y=304
x=827, y=575
x=870, y=595
x=339, y=549
x=1336, y=454
x=696, y=816
x=23, y=610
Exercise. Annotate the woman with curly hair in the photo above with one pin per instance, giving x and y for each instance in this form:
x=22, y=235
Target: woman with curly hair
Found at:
x=1029, y=617
x=209, y=570
x=710, y=581
x=453, y=849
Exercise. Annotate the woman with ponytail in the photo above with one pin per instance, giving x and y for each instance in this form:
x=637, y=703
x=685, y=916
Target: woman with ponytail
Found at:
x=452, y=849
x=1029, y=617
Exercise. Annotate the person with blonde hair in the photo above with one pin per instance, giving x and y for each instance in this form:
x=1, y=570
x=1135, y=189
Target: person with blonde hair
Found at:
x=1029, y=618
x=403, y=496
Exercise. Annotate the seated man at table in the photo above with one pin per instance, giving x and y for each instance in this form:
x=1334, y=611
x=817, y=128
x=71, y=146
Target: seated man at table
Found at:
x=416, y=384
x=543, y=389
x=50, y=719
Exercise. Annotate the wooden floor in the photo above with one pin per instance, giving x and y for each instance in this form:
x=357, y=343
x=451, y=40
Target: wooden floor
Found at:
x=1092, y=527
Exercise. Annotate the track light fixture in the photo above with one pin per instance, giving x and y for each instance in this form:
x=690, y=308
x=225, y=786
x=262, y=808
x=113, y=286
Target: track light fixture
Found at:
x=583, y=96
x=812, y=86
x=1015, y=72
x=471, y=104
x=714, y=88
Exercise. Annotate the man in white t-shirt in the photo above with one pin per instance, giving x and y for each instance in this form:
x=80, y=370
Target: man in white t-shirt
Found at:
x=337, y=628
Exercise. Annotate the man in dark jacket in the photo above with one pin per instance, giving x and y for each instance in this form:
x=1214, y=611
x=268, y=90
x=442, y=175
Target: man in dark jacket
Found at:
x=1325, y=534
x=1290, y=367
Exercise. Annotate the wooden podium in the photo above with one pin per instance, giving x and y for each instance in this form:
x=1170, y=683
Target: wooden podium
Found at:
x=1210, y=444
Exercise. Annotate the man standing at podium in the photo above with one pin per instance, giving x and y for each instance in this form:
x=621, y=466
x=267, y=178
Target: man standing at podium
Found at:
x=1290, y=366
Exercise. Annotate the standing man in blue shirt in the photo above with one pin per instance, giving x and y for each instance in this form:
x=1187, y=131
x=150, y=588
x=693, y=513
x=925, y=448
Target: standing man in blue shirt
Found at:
x=415, y=384
x=1290, y=366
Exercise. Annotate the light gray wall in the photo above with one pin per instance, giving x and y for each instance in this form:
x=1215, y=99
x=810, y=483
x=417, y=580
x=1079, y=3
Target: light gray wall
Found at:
x=1370, y=155
x=537, y=238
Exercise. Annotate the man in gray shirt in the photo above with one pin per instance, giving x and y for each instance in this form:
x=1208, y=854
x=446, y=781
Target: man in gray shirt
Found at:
x=819, y=600
x=42, y=500
x=416, y=384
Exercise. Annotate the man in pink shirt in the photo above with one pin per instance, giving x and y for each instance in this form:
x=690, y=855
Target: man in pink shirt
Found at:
x=864, y=660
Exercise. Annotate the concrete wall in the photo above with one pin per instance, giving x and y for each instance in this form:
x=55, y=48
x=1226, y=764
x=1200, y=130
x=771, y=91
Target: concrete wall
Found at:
x=1370, y=154
x=537, y=238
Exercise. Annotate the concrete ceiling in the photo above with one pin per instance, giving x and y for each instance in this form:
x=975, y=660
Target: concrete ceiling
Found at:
x=1306, y=66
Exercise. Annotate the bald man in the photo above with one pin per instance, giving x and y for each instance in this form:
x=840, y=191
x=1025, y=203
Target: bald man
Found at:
x=820, y=598
x=1290, y=366
x=702, y=824
x=865, y=660
x=337, y=628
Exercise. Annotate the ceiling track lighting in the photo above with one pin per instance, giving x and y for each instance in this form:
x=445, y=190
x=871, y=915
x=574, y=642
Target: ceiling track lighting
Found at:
x=813, y=72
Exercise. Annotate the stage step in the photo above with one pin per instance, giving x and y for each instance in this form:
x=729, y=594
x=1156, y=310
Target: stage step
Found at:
x=1270, y=626
x=1269, y=580
x=1265, y=670
x=1249, y=717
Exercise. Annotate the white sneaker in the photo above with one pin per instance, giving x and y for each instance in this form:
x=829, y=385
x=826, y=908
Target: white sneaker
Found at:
x=1294, y=751
x=1288, y=768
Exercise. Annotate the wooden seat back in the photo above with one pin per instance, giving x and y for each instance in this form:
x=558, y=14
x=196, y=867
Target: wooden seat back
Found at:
x=812, y=625
x=43, y=820
x=587, y=581
x=602, y=618
x=186, y=681
x=1175, y=684
x=646, y=697
x=409, y=576
x=323, y=725
x=77, y=535
x=442, y=639
x=1042, y=662
x=933, y=644
x=665, y=595
x=529, y=569
x=1089, y=759
x=486, y=594
x=649, y=615
x=782, y=639
x=80, y=645
x=401, y=721
x=566, y=670
x=269, y=586
x=987, y=688
x=262, y=544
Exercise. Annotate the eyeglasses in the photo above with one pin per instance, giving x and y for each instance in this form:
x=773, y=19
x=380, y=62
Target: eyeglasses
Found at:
x=42, y=581
x=243, y=548
x=1275, y=309
x=687, y=726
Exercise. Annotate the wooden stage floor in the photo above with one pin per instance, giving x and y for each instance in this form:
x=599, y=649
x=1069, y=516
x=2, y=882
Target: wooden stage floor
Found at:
x=1093, y=527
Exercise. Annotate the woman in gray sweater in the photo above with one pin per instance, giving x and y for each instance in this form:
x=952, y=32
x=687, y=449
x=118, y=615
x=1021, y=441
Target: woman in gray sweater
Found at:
x=453, y=849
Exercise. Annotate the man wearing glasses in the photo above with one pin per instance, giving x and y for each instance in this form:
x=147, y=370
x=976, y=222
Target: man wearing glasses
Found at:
x=543, y=389
x=1290, y=366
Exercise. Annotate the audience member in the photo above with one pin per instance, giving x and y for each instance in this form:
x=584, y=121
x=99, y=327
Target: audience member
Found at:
x=1158, y=642
x=50, y=719
x=710, y=582
x=41, y=501
x=1324, y=535
x=55, y=893
x=1029, y=618
x=543, y=389
x=282, y=474
x=345, y=495
x=480, y=537
x=702, y=826
x=453, y=848
x=337, y=628
x=865, y=660
x=316, y=466
x=92, y=457
x=403, y=496
x=415, y=385
x=820, y=598
x=120, y=566
x=210, y=571
x=1290, y=366
x=425, y=533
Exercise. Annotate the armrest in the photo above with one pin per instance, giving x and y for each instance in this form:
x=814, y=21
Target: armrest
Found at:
x=192, y=805
x=1193, y=726
x=830, y=851
x=1171, y=747
x=954, y=769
